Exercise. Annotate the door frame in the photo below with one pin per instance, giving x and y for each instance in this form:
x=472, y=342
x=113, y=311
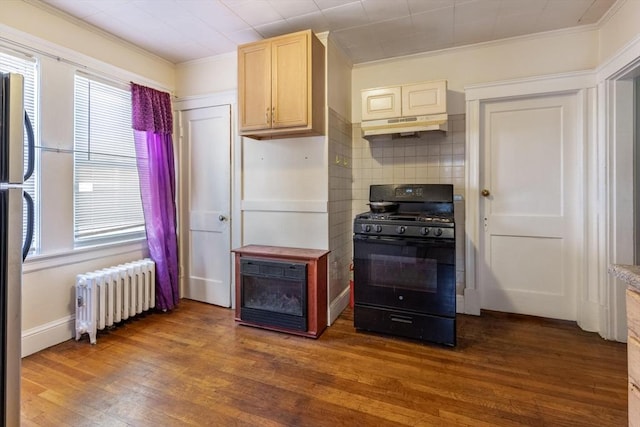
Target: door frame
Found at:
x=222, y=98
x=582, y=85
x=616, y=148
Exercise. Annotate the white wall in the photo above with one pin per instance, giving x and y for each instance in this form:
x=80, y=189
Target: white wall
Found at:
x=49, y=276
x=207, y=76
x=284, y=192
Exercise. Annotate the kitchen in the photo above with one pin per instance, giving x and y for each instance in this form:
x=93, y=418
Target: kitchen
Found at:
x=603, y=52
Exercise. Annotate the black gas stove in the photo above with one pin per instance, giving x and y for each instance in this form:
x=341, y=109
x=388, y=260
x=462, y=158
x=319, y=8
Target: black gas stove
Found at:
x=404, y=263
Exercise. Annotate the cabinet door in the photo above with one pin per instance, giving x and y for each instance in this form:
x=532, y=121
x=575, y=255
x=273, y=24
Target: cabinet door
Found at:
x=381, y=103
x=254, y=86
x=424, y=98
x=291, y=84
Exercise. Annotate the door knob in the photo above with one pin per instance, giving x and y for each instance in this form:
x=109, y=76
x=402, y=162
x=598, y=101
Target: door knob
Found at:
x=485, y=192
x=222, y=218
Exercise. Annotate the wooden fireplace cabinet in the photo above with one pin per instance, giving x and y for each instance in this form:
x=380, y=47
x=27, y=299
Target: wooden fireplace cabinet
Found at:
x=316, y=261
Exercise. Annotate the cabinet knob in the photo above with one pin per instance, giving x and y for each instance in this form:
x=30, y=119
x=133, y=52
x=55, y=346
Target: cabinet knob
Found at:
x=485, y=193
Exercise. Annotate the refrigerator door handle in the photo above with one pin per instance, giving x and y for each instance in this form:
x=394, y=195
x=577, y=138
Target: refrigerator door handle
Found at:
x=31, y=145
x=29, y=235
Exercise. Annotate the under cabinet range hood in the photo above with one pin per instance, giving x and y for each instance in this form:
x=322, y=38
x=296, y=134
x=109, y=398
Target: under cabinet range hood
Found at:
x=404, y=111
x=405, y=126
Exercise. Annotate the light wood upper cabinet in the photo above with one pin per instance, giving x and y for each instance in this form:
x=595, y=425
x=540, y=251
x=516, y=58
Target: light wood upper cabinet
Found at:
x=281, y=87
x=406, y=100
x=254, y=82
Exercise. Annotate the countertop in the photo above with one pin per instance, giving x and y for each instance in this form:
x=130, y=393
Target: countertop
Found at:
x=629, y=274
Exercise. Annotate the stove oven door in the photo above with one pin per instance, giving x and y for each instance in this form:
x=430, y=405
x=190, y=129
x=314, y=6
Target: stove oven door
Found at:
x=406, y=274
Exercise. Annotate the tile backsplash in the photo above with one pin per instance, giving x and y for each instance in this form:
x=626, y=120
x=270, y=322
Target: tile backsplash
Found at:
x=434, y=158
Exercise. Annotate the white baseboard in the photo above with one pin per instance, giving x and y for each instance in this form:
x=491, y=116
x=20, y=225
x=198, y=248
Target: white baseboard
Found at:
x=459, y=303
x=47, y=335
x=471, y=301
x=338, y=305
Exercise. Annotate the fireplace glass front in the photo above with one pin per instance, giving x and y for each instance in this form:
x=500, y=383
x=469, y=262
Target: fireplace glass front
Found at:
x=274, y=293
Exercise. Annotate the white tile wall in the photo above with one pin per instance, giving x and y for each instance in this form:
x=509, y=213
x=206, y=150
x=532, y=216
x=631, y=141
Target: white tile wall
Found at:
x=340, y=195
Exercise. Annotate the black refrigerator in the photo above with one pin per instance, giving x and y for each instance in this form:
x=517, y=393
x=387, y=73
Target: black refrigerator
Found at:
x=15, y=206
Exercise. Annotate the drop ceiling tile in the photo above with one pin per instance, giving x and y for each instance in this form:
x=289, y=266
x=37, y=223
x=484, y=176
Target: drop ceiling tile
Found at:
x=253, y=12
x=417, y=6
x=292, y=8
x=506, y=28
x=565, y=13
x=472, y=32
x=521, y=7
x=471, y=11
x=437, y=23
x=163, y=9
x=355, y=36
x=433, y=41
x=208, y=26
x=273, y=29
x=365, y=53
x=328, y=4
x=402, y=46
x=315, y=21
x=244, y=36
x=394, y=28
x=381, y=10
x=197, y=29
x=225, y=21
x=514, y=21
x=348, y=15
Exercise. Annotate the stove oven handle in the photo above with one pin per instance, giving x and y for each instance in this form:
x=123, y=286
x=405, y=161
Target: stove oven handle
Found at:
x=401, y=319
x=403, y=240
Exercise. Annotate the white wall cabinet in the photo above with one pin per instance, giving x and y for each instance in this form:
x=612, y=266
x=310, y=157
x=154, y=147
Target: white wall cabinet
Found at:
x=406, y=100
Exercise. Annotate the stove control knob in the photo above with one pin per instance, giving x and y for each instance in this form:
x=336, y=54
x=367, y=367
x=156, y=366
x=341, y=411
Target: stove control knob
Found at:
x=379, y=228
x=438, y=232
x=425, y=231
x=366, y=228
x=401, y=229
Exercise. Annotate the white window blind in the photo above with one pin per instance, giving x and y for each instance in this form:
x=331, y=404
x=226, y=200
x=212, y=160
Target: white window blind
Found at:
x=107, y=204
x=15, y=62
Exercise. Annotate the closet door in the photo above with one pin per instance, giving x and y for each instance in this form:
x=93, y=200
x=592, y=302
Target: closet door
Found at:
x=206, y=223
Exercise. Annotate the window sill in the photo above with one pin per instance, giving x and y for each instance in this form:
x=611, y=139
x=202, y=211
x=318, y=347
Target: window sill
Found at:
x=47, y=261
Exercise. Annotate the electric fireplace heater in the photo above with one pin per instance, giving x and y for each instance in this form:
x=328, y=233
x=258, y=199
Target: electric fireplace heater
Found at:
x=274, y=293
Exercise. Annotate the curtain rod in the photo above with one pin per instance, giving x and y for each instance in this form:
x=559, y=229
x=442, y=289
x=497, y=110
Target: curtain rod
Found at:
x=32, y=52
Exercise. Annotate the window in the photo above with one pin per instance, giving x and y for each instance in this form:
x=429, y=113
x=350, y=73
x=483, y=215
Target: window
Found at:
x=14, y=62
x=107, y=204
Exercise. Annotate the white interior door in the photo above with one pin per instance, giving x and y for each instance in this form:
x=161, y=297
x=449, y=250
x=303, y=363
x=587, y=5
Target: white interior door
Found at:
x=207, y=139
x=531, y=220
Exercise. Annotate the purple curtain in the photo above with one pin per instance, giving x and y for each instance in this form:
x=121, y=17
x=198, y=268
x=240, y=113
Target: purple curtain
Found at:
x=153, y=126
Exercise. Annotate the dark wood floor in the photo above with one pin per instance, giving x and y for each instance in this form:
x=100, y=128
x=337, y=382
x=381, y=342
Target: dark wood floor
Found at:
x=195, y=366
